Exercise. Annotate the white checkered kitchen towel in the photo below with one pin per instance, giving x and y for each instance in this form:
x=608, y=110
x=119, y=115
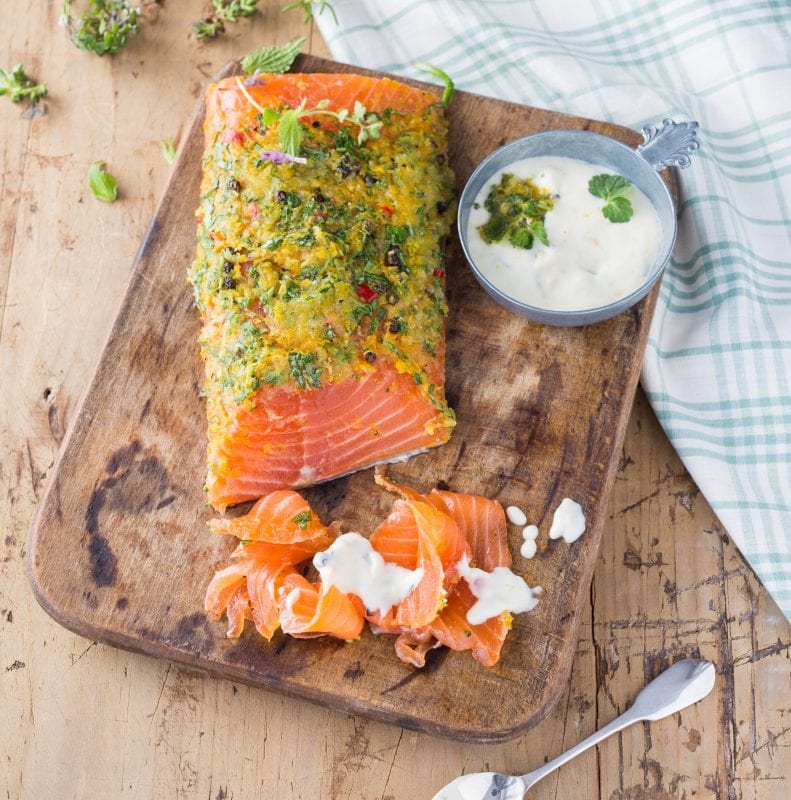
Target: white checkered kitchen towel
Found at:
x=718, y=365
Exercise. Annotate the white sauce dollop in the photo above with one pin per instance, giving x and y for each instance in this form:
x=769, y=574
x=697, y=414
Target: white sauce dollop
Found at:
x=497, y=591
x=590, y=261
x=354, y=567
x=568, y=521
x=516, y=516
x=529, y=546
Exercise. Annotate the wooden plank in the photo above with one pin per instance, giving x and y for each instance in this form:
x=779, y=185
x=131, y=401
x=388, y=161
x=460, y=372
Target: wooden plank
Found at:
x=80, y=719
x=541, y=414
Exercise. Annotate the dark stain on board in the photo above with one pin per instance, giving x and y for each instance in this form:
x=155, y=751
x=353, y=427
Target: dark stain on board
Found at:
x=434, y=660
x=192, y=634
x=136, y=483
x=352, y=673
x=326, y=497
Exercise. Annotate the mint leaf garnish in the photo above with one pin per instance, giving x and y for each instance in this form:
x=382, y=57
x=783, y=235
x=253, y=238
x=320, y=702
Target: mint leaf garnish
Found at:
x=611, y=189
x=276, y=59
x=103, y=185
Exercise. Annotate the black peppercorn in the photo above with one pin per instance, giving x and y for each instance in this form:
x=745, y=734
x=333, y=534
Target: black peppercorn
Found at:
x=395, y=326
x=370, y=357
x=281, y=196
x=227, y=266
x=369, y=180
x=316, y=123
x=234, y=185
x=319, y=197
x=442, y=207
x=228, y=282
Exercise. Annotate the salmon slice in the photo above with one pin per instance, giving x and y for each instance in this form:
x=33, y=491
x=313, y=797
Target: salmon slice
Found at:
x=417, y=536
x=279, y=532
x=320, y=284
x=280, y=528
x=452, y=629
x=308, y=610
x=481, y=523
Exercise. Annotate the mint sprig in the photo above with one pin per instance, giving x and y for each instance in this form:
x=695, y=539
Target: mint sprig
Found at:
x=612, y=189
x=275, y=59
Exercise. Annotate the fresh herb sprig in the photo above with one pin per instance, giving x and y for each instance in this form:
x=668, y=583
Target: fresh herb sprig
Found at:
x=275, y=59
x=16, y=84
x=306, y=6
x=612, y=189
x=292, y=132
x=104, y=28
x=102, y=184
x=450, y=88
x=224, y=11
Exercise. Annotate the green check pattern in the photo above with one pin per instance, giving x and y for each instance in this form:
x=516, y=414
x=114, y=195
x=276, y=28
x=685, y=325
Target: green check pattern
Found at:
x=718, y=364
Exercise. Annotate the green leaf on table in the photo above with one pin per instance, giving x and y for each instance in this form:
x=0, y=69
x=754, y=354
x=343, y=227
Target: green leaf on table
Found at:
x=169, y=150
x=16, y=84
x=611, y=189
x=103, y=186
x=275, y=59
x=450, y=88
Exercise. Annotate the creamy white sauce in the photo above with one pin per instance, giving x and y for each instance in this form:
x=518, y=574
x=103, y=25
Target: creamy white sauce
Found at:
x=568, y=521
x=477, y=786
x=529, y=545
x=515, y=515
x=590, y=261
x=496, y=591
x=354, y=567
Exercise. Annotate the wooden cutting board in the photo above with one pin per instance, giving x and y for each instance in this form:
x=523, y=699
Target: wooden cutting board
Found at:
x=119, y=551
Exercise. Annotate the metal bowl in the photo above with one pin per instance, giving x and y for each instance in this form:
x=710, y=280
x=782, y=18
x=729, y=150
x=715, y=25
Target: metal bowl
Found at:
x=667, y=145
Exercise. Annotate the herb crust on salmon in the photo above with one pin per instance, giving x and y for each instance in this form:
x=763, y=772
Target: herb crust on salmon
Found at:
x=320, y=284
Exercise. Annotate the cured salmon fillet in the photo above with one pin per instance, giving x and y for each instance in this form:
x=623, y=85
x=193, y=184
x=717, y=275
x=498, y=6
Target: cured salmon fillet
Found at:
x=320, y=284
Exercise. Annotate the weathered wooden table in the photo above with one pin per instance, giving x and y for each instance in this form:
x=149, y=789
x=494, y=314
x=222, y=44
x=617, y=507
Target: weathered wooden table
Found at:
x=79, y=719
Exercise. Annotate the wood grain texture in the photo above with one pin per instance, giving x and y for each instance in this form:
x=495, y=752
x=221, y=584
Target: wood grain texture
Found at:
x=541, y=415
x=79, y=719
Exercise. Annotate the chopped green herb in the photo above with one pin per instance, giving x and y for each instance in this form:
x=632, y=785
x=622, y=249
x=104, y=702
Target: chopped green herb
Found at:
x=517, y=208
x=611, y=189
x=276, y=59
x=103, y=185
x=304, y=370
x=450, y=89
x=16, y=84
x=302, y=520
x=467, y=633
